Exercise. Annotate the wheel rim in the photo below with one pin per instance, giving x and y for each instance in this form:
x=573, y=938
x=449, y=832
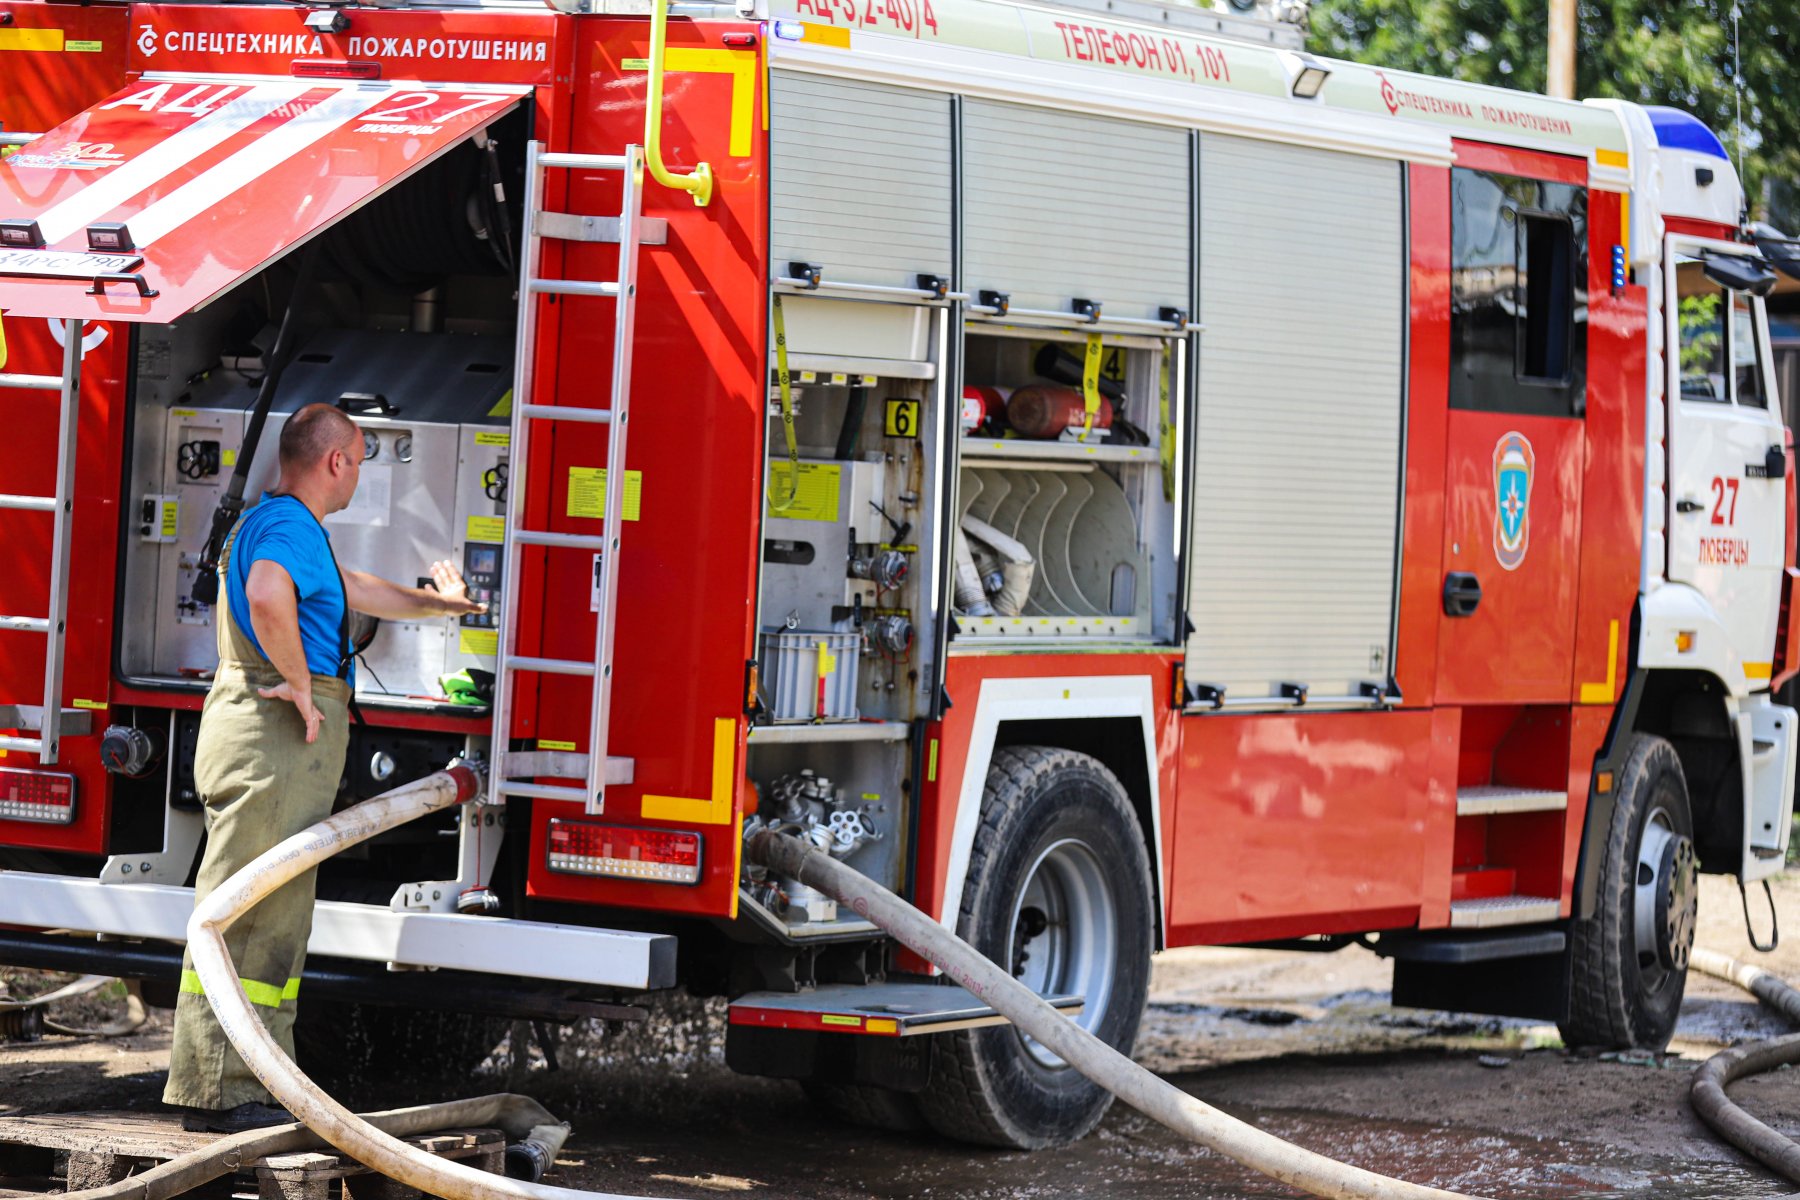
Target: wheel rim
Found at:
x=1665, y=901
x=1064, y=935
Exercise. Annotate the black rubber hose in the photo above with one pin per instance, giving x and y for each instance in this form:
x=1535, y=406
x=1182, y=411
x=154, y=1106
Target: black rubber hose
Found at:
x=1773, y=1150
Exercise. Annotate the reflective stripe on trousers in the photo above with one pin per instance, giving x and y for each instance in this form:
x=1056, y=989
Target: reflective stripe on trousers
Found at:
x=265, y=994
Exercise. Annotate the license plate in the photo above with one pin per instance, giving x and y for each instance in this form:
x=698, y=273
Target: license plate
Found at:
x=64, y=264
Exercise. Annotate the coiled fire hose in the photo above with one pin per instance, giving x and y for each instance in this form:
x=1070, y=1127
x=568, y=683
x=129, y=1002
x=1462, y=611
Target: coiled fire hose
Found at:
x=1707, y=1093
x=364, y=1139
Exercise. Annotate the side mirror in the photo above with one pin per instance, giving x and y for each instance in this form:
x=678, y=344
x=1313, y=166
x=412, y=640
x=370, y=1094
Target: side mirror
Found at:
x=1739, y=273
x=1782, y=251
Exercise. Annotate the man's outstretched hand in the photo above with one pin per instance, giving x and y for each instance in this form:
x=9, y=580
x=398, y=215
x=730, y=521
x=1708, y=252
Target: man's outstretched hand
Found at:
x=301, y=700
x=451, y=586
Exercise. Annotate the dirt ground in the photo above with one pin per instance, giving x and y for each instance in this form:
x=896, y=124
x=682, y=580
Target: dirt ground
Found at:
x=1305, y=1045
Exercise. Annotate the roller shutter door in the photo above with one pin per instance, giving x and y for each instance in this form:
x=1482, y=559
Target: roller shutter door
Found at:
x=1291, y=571
x=1060, y=205
x=859, y=179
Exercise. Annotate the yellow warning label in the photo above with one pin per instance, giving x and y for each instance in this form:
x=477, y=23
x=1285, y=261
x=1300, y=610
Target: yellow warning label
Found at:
x=84, y=47
x=835, y=1019
x=634, y=64
x=31, y=39
x=228, y=457
x=547, y=744
x=485, y=529
x=587, y=492
x=481, y=642
x=93, y=705
x=903, y=418
x=173, y=412
x=171, y=514
x=816, y=497
x=493, y=437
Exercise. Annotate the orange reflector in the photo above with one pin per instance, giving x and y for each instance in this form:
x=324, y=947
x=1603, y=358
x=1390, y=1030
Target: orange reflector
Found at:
x=1684, y=641
x=1604, y=781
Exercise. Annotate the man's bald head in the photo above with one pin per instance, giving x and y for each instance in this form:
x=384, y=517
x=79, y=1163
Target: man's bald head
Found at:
x=312, y=434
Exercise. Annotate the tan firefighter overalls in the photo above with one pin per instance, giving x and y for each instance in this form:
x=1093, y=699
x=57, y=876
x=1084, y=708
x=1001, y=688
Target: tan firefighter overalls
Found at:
x=261, y=783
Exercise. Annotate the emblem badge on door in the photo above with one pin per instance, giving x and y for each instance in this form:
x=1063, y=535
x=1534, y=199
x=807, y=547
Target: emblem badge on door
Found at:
x=1514, y=465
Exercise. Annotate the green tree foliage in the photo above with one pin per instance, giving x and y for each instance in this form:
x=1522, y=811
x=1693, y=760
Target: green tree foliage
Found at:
x=1676, y=52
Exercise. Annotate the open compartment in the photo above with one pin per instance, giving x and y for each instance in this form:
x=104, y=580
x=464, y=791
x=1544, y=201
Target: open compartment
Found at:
x=1067, y=483
x=406, y=325
x=847, y=591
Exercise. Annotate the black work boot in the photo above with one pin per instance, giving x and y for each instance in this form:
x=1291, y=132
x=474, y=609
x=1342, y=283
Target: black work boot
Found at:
x=253, y=1115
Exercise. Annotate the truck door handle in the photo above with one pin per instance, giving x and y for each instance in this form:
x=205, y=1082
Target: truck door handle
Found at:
x=1462, y=594
x=1775, y=463
x=1688, y=506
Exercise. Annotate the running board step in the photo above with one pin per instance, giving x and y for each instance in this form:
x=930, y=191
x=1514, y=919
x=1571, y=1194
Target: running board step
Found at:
x=1490, y=800
x=1503, y=910
x=876, y=1009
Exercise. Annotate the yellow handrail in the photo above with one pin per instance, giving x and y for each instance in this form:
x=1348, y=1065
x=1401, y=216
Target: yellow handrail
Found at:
x=698, y=182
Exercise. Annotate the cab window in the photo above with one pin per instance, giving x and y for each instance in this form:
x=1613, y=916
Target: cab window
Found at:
x=1518, y=287
x=1721, y=352
x=1746, y=354
x=1701, y=321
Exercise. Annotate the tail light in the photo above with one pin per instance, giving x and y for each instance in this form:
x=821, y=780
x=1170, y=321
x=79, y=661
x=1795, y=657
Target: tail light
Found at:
x=45, y=797
x=622, y=852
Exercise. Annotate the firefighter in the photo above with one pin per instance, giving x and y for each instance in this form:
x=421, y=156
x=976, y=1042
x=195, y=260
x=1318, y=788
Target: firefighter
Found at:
x=272, y=741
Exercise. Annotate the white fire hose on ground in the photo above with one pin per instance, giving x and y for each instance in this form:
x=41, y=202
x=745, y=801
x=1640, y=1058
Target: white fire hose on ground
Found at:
x=135, y=1014
x=365, y=1141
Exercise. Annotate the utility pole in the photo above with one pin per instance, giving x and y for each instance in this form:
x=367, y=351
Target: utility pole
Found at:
x=1562, y=49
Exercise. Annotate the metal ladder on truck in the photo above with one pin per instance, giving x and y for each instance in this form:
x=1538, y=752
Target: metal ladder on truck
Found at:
x=49, y=721
x=516, y=773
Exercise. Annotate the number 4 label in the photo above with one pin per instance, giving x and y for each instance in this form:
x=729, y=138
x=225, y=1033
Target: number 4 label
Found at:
x=903, y=418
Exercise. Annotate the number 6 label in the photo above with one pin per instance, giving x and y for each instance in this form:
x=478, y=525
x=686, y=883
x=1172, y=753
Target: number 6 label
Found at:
x=903, y=418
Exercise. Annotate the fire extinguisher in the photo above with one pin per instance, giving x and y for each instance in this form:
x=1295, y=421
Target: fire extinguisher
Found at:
x=979, y=402
x=1044, y=411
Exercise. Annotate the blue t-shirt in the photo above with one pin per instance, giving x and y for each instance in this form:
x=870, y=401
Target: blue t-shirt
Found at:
x=282, y=530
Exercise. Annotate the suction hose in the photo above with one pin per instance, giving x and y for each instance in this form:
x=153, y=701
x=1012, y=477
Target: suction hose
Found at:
x=1154, y=1097
x=369, y=1141
x=1707, y=1093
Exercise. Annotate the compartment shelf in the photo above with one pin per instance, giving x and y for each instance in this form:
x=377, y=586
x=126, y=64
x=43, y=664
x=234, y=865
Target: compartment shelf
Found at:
x=840, y=731
x=1030, y=450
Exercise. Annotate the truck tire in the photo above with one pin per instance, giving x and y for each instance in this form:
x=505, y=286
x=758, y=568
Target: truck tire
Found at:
x=1629, y=962
x=1058, y=889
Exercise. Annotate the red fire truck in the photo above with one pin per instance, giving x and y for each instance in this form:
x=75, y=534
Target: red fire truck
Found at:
x=1109, y=475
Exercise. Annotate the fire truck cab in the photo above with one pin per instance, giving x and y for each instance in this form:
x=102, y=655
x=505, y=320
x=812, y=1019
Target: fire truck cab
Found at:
x=1114, y=478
